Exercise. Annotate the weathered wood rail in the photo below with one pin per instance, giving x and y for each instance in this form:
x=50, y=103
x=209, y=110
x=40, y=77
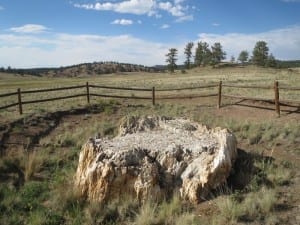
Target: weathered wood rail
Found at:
x=220, y=88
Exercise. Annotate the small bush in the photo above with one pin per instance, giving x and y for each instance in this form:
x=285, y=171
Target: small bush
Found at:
x=34, y=163
x=167, y=211
x=254, y=207
x=32, y=194
x=259, y=204
x=146, y=214
x=187, y=219
x=230, y=210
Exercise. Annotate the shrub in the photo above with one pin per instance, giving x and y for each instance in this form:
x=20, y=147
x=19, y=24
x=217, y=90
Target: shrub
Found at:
x=146, y=214
x=230, y=210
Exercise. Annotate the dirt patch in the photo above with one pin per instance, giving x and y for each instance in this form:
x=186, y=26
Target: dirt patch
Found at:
x=25, y=133
x=257, y=111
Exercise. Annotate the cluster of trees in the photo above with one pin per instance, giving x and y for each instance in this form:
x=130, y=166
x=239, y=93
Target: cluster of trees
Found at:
x=212, y=55
x=260, y=56
x=204, y=55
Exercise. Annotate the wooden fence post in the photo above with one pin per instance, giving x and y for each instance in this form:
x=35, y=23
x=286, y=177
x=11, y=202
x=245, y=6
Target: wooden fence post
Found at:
x=20, y=101
x=87, y=92
x=220, y=95
x=277, y=103
x=153, y=95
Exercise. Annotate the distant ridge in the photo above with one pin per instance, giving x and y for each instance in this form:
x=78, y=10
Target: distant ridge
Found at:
x=288, y=63
x=99, y=68
x=84, y=69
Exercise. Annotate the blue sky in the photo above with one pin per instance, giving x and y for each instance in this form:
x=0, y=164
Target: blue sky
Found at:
x=37, y=33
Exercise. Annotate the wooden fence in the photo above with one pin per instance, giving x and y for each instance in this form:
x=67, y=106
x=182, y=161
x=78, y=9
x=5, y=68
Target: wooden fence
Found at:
x=152, y=94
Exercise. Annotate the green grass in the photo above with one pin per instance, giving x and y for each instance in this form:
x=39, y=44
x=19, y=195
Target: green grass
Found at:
x=37, y=188
x=40, y=197
x=255, y=206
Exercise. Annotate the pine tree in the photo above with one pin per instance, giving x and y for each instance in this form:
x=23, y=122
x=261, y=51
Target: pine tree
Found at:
x=243, y=57
x=271, y=62
x=171, y=59
x=217, y=53
x=203, y=54
x=260, y=53
x=188, y=54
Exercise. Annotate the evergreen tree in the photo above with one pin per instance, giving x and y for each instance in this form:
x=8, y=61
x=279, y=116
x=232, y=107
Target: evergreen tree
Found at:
x=171, y=59
x=260, y=54
x=199, y=54
x=203, y=54
x=217, y=54
x=243, y=57
x=232, y=59
x=271, y=62
x=188, y=54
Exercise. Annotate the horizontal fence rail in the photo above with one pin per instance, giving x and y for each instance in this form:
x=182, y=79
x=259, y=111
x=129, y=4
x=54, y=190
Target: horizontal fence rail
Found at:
x=187, y=96
x=221, y=93
x=187, y=88
x=52, y=99
x=120, y=96
x=53, y=89
x=290, y=88
x=120, y=88
x=247, y=86
x=8, y=94
x=8, y=106
x=248, y=98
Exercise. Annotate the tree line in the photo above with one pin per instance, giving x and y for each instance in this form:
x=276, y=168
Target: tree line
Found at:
x=212, y=55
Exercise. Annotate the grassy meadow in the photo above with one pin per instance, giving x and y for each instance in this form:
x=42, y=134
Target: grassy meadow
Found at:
x=36, y=185
x=200, y=76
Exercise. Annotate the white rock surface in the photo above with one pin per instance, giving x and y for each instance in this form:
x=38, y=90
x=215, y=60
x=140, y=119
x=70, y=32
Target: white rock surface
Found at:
x=154, y=156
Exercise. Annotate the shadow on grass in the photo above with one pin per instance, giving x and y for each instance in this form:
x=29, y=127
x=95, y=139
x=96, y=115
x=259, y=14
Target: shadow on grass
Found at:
x=246, y=175
x=265, y=105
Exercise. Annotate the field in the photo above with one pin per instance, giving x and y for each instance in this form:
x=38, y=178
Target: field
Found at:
x=40, y=149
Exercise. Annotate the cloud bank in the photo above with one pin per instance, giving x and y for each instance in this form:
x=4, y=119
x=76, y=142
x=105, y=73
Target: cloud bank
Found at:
x=122, y=22
x=283, y=43
x=25, y=50
x=29, y=28
x=290, y=1
x=143, y=7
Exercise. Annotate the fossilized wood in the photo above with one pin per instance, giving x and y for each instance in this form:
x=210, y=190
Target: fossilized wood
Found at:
x=154, y=156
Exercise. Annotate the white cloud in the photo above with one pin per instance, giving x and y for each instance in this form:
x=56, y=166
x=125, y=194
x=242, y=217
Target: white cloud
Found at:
x=29, y=28
x=290, y=0
x=165, y=26
x=174, y=10
x=178, y=1
x=165, y=5
x=283, y=43
x=19, y=50
x=184, y=18
x=138, y=7
x=139, y=22
x=122, y=22
x=27, y=50
x=216, y=24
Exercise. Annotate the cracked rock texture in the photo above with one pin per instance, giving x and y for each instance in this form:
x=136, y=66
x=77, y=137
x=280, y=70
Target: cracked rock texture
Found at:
x=154, y=156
